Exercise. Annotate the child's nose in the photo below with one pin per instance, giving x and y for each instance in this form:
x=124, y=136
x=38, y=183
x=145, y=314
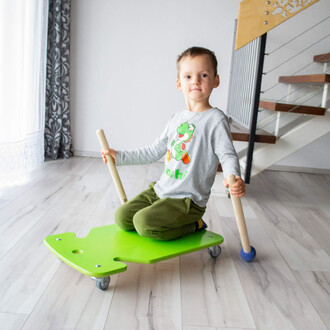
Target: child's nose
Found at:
x=196, y=80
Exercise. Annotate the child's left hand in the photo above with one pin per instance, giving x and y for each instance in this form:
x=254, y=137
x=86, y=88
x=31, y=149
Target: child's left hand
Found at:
x=238, y=188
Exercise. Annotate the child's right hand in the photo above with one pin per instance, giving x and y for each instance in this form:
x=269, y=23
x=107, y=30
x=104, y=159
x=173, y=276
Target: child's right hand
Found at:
x=238, y=188
x=109, y=152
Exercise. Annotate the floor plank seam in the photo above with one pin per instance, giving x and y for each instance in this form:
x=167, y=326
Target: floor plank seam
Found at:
x=41, y=295
x=239, y=275
x=243, y=288
x=306, y=294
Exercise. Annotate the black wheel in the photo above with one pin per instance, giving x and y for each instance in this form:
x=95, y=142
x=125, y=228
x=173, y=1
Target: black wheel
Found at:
x=215, y=251
x=102, y=283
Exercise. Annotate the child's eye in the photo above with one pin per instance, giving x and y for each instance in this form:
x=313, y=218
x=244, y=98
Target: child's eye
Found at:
x=204, y=75
x=187, y=77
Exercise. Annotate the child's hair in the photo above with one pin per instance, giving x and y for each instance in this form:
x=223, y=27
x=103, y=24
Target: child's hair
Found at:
x=195, y=51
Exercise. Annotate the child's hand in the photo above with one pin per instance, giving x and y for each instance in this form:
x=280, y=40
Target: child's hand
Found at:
x=238, y=188
x=109, y=152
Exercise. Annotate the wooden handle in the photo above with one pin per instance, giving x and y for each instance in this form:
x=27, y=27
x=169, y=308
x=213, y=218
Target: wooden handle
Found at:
x=112, y=167
x=237, y=205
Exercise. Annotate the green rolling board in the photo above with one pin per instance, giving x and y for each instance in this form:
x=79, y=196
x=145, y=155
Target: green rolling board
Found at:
x=103, y=251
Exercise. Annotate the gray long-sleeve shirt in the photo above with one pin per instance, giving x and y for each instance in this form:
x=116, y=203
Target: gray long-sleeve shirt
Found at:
x=193, y=143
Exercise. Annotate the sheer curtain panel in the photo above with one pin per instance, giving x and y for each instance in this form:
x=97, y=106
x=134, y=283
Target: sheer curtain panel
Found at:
x=23, y=38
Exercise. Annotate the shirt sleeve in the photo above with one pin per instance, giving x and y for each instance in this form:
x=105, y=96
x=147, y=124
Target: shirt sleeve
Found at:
x=224, y=149
x=145, y=155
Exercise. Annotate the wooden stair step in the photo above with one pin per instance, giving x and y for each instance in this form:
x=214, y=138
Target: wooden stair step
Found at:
x=240, y=133
x=311, y=78
x=323, y=58
x=293, y=108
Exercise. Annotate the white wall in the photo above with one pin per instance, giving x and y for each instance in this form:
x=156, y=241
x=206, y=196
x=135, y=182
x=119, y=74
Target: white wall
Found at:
x=123, y=69
x=123, y=64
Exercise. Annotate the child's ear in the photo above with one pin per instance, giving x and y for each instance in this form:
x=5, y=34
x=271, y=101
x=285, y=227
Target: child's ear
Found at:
x=216, y=81
x=178, y=84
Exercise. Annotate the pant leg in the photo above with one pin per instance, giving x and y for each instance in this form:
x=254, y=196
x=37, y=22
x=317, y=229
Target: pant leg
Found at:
x=168, y=218
x=125, y=213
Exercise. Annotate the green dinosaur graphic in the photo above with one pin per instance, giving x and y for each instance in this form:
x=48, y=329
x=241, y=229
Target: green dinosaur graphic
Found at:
x=177, y=151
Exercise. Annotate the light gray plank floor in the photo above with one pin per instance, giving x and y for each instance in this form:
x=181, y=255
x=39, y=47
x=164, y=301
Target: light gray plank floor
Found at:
x=286, y=287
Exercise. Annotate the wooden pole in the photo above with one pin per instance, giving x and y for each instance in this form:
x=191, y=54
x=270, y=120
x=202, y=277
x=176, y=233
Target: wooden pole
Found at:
x=112, y=167
x=238, y=210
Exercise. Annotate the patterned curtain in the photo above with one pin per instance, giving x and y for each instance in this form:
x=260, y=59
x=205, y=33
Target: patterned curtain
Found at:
x=58, y=140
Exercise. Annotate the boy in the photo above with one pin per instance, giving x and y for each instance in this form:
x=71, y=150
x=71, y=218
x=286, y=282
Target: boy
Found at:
x=193, y=142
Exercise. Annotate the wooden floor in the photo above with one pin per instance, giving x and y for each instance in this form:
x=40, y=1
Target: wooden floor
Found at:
x=286, y=287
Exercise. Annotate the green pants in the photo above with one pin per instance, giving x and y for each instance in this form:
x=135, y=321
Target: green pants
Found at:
x=161, y=219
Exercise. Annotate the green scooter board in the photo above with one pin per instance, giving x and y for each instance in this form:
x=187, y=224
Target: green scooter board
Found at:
x=101, y=252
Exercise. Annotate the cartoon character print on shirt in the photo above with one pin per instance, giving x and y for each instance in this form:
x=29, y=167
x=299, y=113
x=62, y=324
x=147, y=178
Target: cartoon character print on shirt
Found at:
x=178, y=146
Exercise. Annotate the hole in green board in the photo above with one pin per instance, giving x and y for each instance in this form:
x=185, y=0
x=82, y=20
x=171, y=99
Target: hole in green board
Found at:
x=77, y=251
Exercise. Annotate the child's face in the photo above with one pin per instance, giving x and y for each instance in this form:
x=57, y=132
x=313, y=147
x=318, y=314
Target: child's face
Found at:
x=196, y=78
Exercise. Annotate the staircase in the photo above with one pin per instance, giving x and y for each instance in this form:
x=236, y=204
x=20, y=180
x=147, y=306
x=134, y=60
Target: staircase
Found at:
x=276, y=147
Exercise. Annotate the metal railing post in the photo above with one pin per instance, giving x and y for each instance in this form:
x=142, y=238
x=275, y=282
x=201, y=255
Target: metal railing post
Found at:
x=255, y=108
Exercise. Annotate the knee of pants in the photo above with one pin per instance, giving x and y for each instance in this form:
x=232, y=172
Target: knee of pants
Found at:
x=123, y=218
x=142, y=226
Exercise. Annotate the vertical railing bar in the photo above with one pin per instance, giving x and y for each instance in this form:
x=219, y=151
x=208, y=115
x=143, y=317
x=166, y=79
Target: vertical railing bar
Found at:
x=252, y=78
x=255, y=107
x=232, y=75
x=241, y=75
x=245, y=80
x=249, y=76
x=238, y=74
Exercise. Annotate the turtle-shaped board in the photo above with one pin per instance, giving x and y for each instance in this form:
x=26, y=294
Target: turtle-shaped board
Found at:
x=102, y=251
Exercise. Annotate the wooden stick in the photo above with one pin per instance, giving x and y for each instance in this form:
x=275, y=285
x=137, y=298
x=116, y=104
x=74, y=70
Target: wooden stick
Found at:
x=237, y=205
x=112, y=167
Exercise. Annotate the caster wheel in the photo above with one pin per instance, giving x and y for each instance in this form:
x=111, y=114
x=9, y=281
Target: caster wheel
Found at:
x=249, y=256
x=215, y=251
x=102, y=283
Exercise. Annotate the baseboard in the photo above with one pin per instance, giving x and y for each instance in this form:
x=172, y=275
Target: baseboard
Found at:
x=82, y=153
x=297, y=169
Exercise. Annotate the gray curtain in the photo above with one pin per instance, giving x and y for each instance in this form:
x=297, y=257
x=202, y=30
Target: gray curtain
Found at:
x=58, y=140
